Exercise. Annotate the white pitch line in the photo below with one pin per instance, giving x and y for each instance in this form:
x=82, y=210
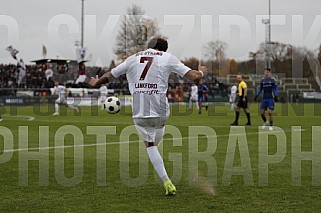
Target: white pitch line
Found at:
x=127, y=123
x=29, y=118
x=83, y=121
x=125, y=142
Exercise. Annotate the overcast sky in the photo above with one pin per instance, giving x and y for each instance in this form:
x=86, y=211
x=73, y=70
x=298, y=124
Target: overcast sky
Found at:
x=189, y=25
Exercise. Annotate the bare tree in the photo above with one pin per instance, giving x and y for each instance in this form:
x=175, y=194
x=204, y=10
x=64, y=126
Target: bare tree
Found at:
x=303, y=60
x=319, y=54
x=215, y=50
x=191, y=62
x=216, y=56
x=136, y=29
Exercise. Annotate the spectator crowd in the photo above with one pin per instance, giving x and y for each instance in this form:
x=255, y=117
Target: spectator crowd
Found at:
x=42, y=76
x=34, y=78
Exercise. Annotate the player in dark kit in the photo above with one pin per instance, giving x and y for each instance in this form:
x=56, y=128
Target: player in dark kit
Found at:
x=270, y=90
x=202, y=92
x=242, y=102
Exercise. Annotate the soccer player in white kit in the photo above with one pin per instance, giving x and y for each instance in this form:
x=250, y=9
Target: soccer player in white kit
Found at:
x=233, y=97
x=147, y=75
x=103, y=91
x=193, y=96
x=61, y=91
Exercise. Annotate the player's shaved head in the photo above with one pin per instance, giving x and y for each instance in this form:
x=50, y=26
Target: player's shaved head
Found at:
x=158, y=43
x=239, y=77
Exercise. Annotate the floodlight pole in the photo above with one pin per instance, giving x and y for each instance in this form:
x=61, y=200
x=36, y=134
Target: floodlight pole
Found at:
x=82, y=23
x=269, y=38
x=269, y=21
x=268, y=42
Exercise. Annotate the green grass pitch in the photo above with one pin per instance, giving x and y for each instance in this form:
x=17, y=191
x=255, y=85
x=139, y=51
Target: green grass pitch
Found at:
x=119, y=194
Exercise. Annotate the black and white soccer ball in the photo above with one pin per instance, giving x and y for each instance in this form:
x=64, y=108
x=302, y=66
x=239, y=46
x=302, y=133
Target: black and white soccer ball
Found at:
x=112, y=105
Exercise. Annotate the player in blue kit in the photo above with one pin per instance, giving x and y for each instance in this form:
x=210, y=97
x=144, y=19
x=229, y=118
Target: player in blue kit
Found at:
x=202, y=92
x=270, y=90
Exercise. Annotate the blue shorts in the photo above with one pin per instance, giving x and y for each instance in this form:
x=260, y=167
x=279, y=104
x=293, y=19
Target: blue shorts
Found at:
x=201, y=98
x=267, y=104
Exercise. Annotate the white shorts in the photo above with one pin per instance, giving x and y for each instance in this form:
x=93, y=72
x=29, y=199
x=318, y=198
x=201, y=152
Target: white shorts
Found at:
x=61, y=100
x=103, y=98
x=194, y=98
x=151, y=129
x=232, y=98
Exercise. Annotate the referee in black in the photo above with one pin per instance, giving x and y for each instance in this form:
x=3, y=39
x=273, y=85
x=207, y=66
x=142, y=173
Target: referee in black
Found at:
x=242, y=102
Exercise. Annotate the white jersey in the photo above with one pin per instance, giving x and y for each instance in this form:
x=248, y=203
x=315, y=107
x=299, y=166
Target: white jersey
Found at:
x=194, y=90
x=49, y=73
x=233, y=94
x=147, y=74
x=233, y=89
x=60, y=91
x=103, y=91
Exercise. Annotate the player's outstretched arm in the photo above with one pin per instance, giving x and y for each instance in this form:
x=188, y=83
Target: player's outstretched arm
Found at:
x=196, y=74
x=97, y=82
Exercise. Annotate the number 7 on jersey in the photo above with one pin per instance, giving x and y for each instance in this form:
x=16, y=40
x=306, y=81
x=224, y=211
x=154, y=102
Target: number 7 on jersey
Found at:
x=149, y=63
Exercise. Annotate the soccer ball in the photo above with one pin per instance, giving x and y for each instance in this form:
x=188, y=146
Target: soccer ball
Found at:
x=112, y=105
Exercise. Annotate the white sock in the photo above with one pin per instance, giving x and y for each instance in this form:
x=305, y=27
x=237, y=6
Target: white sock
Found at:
x=57, y=108
x=72, y=106
x=157, y=161
x=190, y=104
x=197, y=106
x=233, y=106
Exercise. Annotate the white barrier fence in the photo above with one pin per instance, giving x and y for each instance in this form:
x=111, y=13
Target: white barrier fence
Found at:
x=312, y=95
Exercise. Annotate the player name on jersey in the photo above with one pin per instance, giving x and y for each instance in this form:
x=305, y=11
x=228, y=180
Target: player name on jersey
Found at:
x=149, y=53
x=145, y=85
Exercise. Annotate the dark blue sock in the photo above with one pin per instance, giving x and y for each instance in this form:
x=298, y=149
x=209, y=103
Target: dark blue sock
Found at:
x=237, y=115
x=264, y=118
x=271, y=123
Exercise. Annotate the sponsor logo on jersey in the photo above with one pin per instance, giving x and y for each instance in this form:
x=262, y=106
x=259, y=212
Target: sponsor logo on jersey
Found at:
x=147, y=92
